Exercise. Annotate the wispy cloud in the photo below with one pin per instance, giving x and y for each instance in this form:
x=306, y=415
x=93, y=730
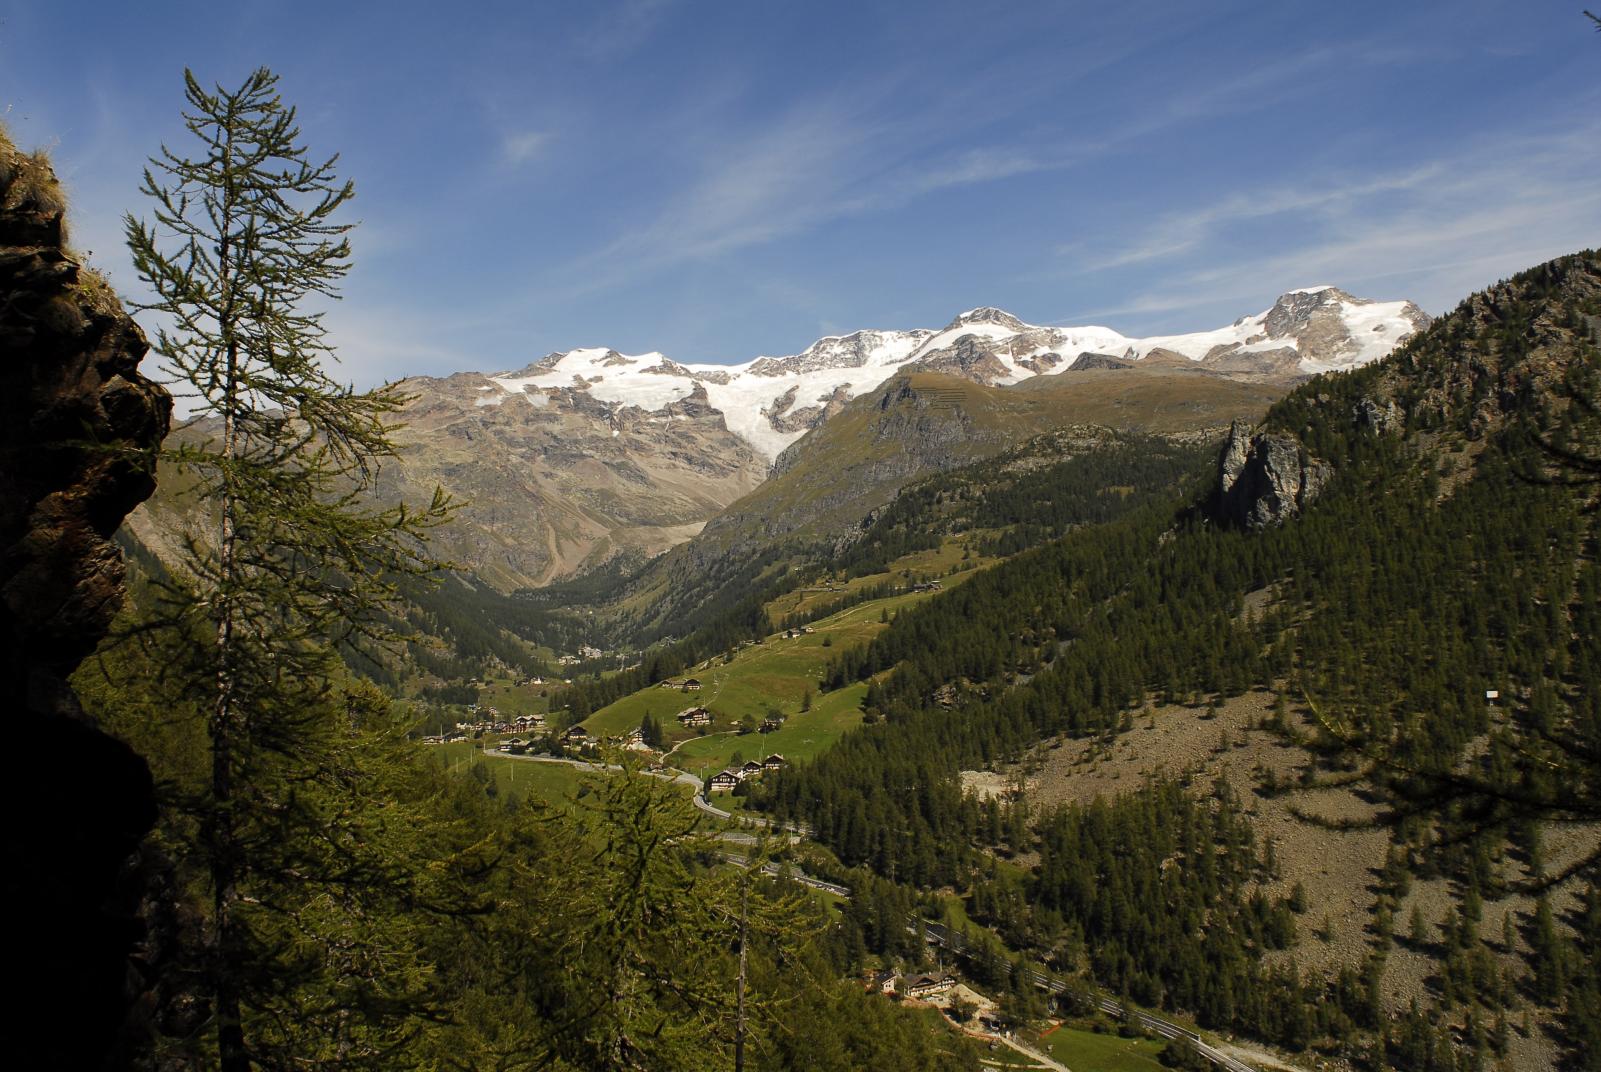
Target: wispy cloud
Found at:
x=624, y=28
x=375, y=342
x=843, y=155
x=1185, y=231
x=1432, y=232
x=521, y=146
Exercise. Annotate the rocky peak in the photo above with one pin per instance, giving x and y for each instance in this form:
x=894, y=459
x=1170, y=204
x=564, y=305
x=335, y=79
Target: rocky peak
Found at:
x=665, y=367
x=837, y=352
x=988, y=314
x=1293, y=311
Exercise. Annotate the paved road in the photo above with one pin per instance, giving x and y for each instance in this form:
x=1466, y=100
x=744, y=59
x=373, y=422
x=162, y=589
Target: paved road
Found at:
x=791, y=872
x=754, y=820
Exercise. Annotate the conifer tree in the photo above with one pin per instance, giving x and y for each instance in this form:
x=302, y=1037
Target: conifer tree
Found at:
x=244, y=251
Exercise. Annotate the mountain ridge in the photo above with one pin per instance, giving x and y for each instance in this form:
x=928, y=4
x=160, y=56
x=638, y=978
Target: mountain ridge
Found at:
x=1305, y=331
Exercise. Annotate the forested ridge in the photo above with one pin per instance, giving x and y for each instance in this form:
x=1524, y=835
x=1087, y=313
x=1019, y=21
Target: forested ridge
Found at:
x=1444, y=561
x=1030, y=494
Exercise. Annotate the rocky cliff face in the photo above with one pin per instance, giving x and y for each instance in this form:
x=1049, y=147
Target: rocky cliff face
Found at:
x=75, y=420
x=1265, y=479
x=558, y=481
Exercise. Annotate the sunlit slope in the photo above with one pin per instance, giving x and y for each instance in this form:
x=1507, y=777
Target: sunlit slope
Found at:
x=926, y=422
x=776, y=676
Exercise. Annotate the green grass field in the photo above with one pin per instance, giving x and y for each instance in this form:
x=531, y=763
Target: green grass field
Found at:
x=1088, y=1051
x=771, y=676
x=554, y=783
x=511, y=699
x=802, y=737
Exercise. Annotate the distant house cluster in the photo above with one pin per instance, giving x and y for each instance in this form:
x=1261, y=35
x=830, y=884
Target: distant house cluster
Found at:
x=689, y=685
x=730, y=777
x=920, y=985
x=491, y=724
x=580, y=738
x=791, y=634
x=927, y=586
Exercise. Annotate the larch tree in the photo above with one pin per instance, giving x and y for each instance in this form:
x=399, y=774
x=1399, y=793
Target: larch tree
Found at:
x=299, y=556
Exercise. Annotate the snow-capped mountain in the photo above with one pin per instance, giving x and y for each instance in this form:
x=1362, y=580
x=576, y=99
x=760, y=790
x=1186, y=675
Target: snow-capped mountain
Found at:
x=769, y=402
x=592, y=456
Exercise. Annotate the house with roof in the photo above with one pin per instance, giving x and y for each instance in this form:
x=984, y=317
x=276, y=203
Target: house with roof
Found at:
x=694, y=716
x=692, y=685
x=725, y=780
x=575, y=735
x=752, y=769
x=926, y=985
x=774, y=762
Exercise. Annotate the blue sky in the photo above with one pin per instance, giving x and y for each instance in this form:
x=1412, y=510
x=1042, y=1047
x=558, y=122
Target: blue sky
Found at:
x=718, y=180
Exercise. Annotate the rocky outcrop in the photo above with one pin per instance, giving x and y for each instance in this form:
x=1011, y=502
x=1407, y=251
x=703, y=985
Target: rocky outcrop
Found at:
x=1378, y=417
x=971, y=357
x=787, y=419
x=77, y=422
x=1265, y=479
x=1087, y=360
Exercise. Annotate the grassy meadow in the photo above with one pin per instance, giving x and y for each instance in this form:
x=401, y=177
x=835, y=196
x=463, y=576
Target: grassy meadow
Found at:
x=1090, y=1051
x=774, y=676
x=516, y=779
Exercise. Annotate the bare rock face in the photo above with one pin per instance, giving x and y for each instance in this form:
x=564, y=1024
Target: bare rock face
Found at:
x=76, y=419
x=784, y=415
x=970, y=357
x=1089, y=360
x=1380, y=417
x=1266, y=479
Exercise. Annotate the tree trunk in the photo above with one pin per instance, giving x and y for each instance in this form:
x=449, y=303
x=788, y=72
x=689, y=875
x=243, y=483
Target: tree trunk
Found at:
x=739, y=983
x=232, y=1055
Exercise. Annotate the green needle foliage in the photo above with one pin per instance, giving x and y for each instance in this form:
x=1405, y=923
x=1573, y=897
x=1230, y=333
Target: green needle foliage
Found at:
x=244, y=250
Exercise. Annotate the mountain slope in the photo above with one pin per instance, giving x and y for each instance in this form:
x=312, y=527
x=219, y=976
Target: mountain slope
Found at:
x=558, y=483
x=1432, y=566
x=924, y=422
x=828, y=485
